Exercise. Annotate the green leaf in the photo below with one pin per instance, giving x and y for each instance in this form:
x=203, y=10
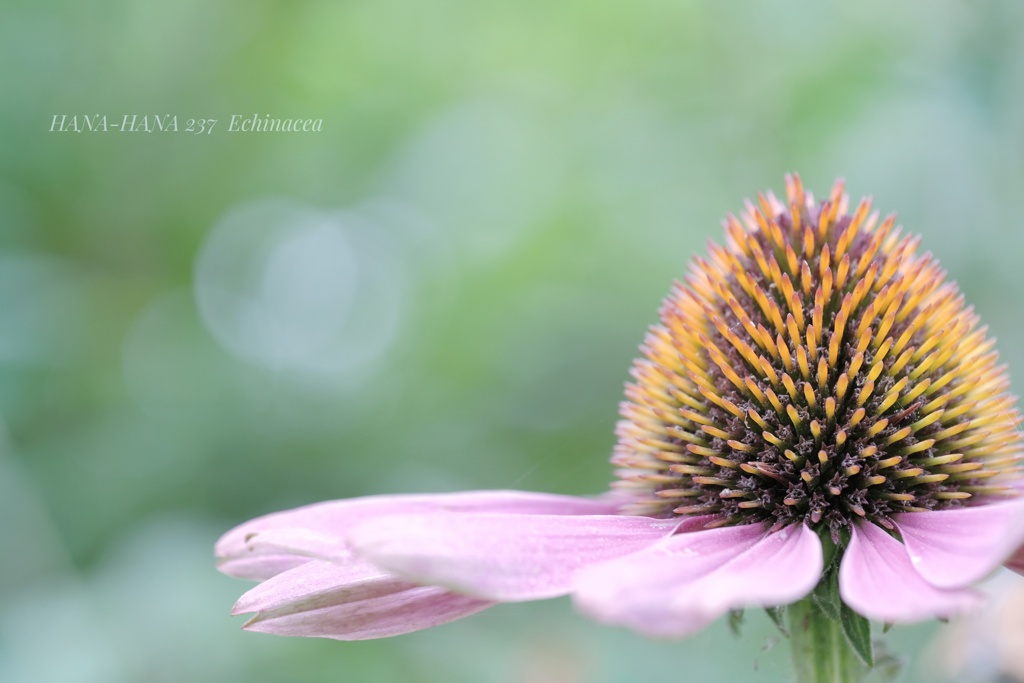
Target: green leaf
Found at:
x=778, y=615
x=735, y=621
x=857, y=630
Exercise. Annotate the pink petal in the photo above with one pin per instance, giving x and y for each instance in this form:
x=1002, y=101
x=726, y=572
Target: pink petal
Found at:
x=260, y=567
x=269, y=552
x=318, y=584
x=953, y=548
x=684, y=582
x=878, y=580
x=501, y=556
x=242, y=553
x=357, y=602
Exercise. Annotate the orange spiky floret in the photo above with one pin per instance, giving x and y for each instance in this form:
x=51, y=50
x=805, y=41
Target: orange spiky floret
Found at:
x=816, y=369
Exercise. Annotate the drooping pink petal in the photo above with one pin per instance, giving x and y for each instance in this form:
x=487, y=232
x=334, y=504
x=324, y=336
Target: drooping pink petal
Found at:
x=267, y=553
x=878, y=580
x=317, y=584
x=682, y=583
x=953, y=548
x=243, y=553
x=502, y=557
x=258, y=567
x=355, y=602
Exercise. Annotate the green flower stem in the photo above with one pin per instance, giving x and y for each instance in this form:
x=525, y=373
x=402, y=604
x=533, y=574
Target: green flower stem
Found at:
x=821, y=652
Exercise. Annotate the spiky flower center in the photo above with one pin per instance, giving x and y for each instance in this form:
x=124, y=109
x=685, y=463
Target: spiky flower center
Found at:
x=815, y=369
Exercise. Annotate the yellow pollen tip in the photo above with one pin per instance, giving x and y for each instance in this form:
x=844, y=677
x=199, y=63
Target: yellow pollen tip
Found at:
x=815, y=328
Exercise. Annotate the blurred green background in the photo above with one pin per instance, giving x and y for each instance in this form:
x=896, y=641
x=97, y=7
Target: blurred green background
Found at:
x=442, y=290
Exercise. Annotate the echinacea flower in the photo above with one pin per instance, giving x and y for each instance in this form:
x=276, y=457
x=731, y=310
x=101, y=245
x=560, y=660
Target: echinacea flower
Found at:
x=816, y=408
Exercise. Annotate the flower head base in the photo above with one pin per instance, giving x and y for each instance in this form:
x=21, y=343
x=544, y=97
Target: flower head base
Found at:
x=818, y=370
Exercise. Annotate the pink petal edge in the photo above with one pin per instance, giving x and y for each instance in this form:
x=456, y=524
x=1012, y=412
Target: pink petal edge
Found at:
x=682, y=583
x=251, y=551
x=359, y=602
x=260, y=567
x=954, y=548
x=878, y=580
x=318, y=584
x=503, y=557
